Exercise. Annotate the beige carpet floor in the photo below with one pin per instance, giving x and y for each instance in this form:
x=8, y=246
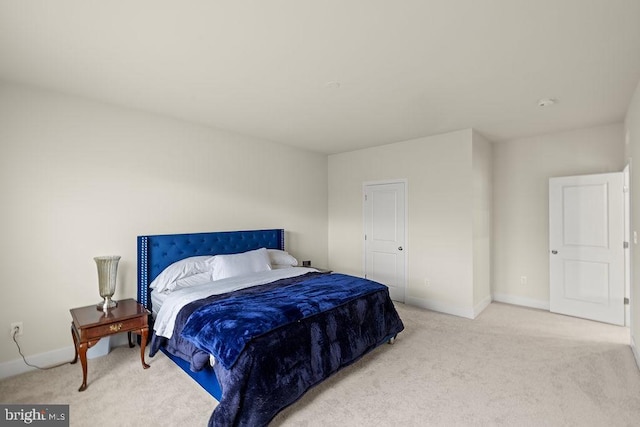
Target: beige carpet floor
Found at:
x=511, y=366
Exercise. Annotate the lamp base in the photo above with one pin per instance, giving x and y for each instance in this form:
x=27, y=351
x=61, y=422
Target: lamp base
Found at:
x=107, y=304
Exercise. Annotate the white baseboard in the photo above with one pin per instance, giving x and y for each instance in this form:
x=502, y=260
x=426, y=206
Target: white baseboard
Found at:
x=61, y=355
x=526, y=302
x=479, y=308
x=636, y=354
x=469, y=313
x=50, y=358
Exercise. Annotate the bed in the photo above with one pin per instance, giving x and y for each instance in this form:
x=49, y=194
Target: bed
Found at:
x=259, y=346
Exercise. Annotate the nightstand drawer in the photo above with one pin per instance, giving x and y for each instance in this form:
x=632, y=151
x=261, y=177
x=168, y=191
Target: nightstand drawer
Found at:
x=87, y=334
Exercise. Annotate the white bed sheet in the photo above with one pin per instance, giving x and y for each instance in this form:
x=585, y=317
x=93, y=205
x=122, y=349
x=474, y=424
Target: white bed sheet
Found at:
x=173, y=302
x=157, y=299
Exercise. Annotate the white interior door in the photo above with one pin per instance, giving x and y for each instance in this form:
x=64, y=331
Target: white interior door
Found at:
x=586, y=254
x=384, y=219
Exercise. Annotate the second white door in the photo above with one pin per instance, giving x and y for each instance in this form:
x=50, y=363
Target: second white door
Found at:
x=385, y=252
x=586, y=237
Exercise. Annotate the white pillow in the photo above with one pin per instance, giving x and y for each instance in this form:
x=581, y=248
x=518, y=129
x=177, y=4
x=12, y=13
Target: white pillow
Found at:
x=240, y=264
x=187, y=282
x=281, y=258
x=180, y=269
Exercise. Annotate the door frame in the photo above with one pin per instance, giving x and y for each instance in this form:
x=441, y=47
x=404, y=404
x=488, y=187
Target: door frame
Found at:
x=405, y=182
x=627, y=237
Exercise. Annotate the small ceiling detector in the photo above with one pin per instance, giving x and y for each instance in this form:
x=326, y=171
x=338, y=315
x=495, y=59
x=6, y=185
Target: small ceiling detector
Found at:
x=546, y=102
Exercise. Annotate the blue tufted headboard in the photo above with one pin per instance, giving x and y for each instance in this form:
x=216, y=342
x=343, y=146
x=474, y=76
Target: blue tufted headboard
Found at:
x=155, y=253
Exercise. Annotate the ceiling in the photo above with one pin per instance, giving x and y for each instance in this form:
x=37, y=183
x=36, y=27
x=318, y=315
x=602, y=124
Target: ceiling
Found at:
x=335, y=76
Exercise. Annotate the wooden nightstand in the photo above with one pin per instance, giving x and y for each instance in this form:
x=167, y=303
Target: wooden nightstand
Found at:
x=90, y=324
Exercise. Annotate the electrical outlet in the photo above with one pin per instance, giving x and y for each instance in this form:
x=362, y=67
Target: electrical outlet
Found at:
x=523, y=280
x=14, y=326
x=427, y=283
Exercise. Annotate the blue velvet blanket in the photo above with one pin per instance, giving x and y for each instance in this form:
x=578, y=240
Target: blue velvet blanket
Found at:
x=298, y=332
x=223, y=328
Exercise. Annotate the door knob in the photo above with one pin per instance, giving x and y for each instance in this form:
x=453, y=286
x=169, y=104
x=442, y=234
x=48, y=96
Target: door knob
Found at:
x=399, y=248
x=554, y=252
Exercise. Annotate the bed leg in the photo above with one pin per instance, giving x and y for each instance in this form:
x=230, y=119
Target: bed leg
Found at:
x=392, y=340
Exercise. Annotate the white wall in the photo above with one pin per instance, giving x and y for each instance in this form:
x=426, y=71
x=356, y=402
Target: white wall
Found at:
x=522, y=169
x=439, y=174
x=482, y=204
x=632, y=137
x=80, y=179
